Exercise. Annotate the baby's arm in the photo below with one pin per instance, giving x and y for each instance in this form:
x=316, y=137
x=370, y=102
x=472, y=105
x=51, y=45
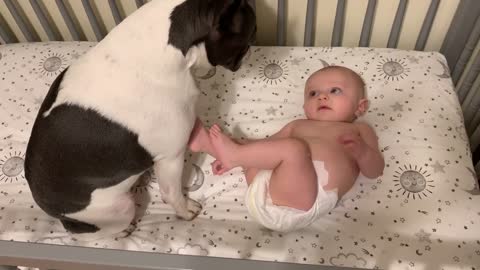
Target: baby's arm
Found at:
x=371, y=163
x=364, y=148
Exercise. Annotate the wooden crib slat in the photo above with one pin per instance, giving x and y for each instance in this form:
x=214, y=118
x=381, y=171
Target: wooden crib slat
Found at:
x=459, y=31
x=397, y=24
x=2, y=40
x=139, y=3
x=27, y=31
x=466, y=53
x=475, y=146
x=473, y=73
x=470, y=106
x=94, y=23
x=427, y=25
x=471, y=100
x=77, y=34
x=6, y=34
x=50, y=29
x=476, y=150
x=115, y=11
x=281, y=23
x=338, y=25
x=477, y=166
x=475, y=123
x=308, y=37
x=367, y=24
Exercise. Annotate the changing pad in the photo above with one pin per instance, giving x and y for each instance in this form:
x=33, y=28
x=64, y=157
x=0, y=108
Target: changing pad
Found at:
x=424, y=212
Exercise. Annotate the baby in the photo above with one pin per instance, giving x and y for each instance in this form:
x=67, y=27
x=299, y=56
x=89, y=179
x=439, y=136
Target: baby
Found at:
x=299, y=173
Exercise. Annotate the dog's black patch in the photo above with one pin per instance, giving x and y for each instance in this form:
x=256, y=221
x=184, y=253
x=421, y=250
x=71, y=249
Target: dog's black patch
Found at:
x=76, y=226
x=227, y=27
x=74, y=151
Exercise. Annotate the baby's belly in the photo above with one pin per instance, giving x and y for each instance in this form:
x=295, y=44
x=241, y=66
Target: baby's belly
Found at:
x=341, y=167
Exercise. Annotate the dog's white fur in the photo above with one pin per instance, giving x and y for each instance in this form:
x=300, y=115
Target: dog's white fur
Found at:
x=135, y=78
x=111, y=209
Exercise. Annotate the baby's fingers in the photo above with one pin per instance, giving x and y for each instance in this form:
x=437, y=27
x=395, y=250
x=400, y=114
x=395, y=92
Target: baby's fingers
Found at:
x=217, y=167
x=348, y=139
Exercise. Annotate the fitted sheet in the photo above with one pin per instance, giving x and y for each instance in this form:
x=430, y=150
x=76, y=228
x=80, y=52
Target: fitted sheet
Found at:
x=423, y=213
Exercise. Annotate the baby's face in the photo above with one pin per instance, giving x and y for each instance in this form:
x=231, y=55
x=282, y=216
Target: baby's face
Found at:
x=332, y=95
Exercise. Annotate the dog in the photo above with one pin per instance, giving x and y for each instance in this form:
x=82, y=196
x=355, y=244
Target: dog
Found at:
x=126, y=105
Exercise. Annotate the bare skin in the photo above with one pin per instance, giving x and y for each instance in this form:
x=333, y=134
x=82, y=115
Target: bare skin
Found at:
x=334, y=98
x=292, y=166
x=199, y=140
x=292, y=162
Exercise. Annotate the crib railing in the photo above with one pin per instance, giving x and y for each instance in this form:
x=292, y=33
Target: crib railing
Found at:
x=458, y=46
x=32, y=20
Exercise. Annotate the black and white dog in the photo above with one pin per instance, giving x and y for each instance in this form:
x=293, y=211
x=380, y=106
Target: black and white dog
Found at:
x=127, y=105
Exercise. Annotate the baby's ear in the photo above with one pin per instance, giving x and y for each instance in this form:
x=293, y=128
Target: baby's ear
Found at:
x=362, y=107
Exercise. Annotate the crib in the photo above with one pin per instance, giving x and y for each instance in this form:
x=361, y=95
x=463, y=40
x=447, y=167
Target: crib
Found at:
x=421, y=64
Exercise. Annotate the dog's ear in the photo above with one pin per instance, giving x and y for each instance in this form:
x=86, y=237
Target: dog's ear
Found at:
x=230, y=19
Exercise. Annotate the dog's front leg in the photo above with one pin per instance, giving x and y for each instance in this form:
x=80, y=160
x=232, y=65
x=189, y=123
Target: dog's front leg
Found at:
x=169, y=174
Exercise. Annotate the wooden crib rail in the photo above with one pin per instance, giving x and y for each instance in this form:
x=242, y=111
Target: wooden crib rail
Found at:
x=47, y=256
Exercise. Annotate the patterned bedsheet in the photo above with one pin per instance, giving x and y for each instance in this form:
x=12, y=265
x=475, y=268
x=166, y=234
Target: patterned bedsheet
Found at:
x=423, y=213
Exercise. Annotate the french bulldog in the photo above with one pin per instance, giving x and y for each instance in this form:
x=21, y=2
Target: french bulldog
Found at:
x=126, y=105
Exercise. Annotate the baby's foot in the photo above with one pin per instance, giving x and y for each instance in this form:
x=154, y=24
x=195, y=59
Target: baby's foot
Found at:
x=224, y=147
x=199, y=140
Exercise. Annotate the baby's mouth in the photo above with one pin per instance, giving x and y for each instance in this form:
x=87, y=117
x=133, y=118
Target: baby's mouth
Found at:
x=321, y=108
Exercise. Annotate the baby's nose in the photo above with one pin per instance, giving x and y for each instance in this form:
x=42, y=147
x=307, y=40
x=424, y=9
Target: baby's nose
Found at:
x=323, y=96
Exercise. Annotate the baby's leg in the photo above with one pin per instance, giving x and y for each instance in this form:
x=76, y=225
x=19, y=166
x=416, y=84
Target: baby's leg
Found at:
x=293, y=182
x=199, y=140
x=250, y=174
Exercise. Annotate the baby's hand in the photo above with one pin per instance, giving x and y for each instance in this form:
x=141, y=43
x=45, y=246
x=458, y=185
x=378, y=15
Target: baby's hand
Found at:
x=217, y=167
x=354, y=144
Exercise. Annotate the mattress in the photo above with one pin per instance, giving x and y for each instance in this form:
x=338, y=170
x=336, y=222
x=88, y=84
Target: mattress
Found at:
x=422, y=213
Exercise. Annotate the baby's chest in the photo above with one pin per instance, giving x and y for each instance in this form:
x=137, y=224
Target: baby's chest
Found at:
x=328, y=133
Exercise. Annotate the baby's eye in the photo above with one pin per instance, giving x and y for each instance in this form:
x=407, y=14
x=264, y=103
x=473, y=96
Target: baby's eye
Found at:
x=335, y=90
x=313, y=93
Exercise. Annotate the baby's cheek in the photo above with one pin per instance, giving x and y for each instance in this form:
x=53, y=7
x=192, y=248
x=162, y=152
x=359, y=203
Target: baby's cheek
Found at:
x=308, y=109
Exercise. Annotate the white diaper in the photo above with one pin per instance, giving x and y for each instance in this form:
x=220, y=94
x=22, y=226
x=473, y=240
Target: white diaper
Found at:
x=283, y=218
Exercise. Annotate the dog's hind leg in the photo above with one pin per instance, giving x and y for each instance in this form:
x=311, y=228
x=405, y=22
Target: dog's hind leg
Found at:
x=169, y=174
x=111, y=220
x=111, y=210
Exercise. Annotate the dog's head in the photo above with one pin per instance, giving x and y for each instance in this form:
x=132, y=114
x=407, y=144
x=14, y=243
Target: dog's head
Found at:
x=231, y=34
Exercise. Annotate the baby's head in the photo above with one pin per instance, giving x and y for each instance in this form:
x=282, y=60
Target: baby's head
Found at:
x=335, y=93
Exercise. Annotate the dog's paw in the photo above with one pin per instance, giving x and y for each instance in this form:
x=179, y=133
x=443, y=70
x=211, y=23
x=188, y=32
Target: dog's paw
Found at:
x=121, y=235
x=126, y=233
x=193, y=209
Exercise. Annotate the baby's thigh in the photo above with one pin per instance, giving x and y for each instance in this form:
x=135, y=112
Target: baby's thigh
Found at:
x=250, y=174
x=294, y=186
x=341, y=178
